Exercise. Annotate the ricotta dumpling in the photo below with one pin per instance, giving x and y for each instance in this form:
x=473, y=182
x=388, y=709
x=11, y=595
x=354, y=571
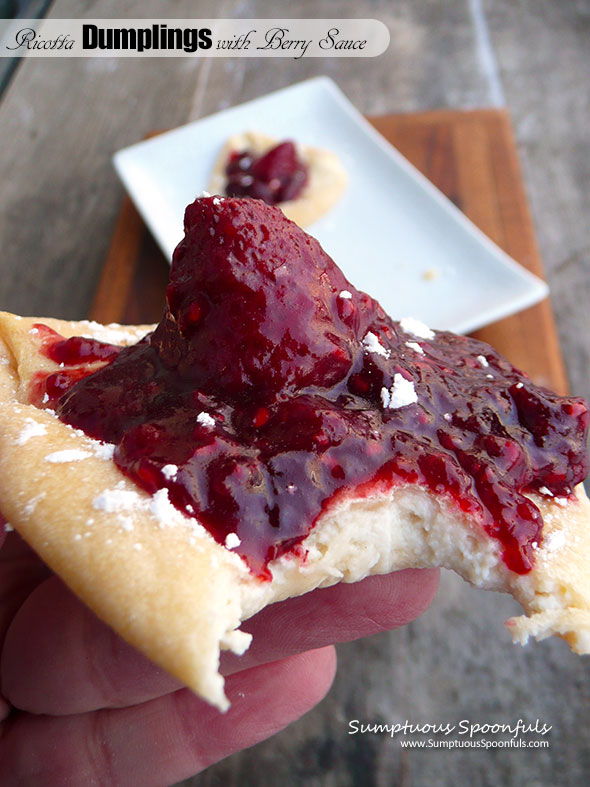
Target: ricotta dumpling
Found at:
x=277, y=432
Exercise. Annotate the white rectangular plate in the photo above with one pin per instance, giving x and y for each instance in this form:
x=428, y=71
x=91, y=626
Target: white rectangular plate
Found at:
x=389, y=229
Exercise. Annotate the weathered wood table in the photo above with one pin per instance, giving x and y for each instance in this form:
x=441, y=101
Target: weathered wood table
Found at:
x=60, y=122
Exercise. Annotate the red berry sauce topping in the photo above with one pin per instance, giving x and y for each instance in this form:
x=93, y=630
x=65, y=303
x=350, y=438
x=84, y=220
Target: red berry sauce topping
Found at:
x=74, y=351
x=77, y=357
x=275, y=387
x=277, y=176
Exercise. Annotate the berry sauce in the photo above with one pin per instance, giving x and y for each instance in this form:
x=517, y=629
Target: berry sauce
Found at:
x=277, y=176
x=277, y=388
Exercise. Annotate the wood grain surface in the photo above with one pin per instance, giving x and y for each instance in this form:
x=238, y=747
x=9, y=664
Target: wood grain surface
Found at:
x=469, y=155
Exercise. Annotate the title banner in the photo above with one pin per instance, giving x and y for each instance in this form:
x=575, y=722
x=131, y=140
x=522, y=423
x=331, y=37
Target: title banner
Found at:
x=294, y=38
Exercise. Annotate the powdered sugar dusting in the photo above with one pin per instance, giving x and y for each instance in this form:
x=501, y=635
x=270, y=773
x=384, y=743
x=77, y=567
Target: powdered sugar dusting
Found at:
x=103, y=450
x=112, y=333
x=401, y=393
x=31, y=429
x=121, y=502
x=416, y=328
x=205, y=419
x=372, y=344
x=126, y=522
x=483, y=361
x=170, y=471
x=232, y=541
x=345, y=294
x=555, y=541
x=116, y=500
x=163, y=510
x=67, y=455
x=416, y=347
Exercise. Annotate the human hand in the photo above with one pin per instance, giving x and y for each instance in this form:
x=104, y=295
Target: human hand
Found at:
x=81, y=706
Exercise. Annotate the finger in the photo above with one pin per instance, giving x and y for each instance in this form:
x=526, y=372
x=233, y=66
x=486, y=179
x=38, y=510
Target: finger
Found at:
x=340, y=613
x=60, y=659
x=20, y=573
x=168, y=739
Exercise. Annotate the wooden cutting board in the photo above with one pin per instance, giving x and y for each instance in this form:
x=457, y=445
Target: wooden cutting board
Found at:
x=471, y=157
